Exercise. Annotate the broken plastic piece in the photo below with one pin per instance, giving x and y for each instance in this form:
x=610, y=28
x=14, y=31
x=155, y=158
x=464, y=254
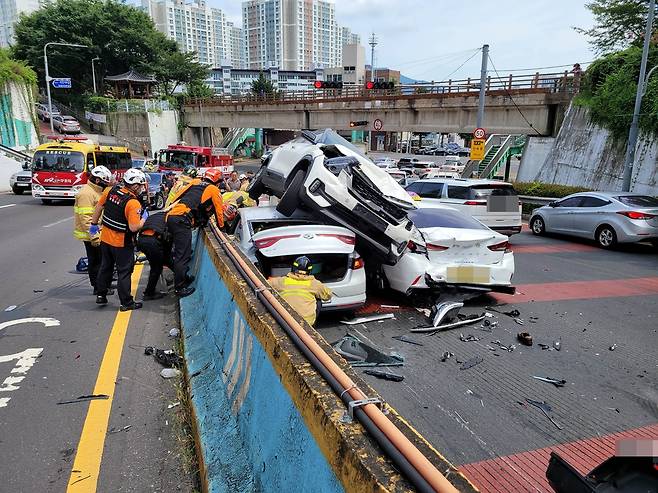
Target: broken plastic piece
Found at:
x=394, y=377
x=10, y=308
x=557, y=383
x=119, y=430
x=169, y=373
x=558, y=344
x=471, y=319
x=166, y=357
x=404, y=338
x=544, y=408
x=371, y=318
x=519, y=321
x=524, y=338
x=470, y=363
x=613, y=347
x=446, y=356
x=174, y=332
x=543, y=346
x=468, y=338
x=173, y=405
x=360, y=354
x=445, y=312
x=84, y=398
x=509, y=348
x=512, y=313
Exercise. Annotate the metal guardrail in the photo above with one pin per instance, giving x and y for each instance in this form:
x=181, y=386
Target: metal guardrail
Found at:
x=528, y=199
x=14, y=154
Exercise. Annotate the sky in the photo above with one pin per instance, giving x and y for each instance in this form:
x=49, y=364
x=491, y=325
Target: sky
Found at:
x=430, y=39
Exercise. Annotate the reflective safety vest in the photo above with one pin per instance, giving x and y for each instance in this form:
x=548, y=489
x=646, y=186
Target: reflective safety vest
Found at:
x=302, y=293
x=157, y=223
x=232, y=198
x=200, y=212
x=114, y=212
x=83, y=210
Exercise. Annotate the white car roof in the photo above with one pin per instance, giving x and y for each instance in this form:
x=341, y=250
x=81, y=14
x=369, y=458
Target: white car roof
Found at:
x=465, y=182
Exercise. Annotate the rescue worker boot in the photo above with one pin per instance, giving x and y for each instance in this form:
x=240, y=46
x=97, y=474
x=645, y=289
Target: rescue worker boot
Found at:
x=101, y=299
x=110, y=292
x=182, y=293
x=133, y=305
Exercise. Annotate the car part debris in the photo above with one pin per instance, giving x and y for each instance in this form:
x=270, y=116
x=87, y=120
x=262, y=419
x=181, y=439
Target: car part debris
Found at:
x=519, y=321
x=390, y=306
x=119, y=430
x=554, y=381
x=544, y=408
x=470, y=363
x=445, y=312
x=524, y=338
x=404, y=338
x=509, y=348
x=533, y=320
x=544, y=346
x=467, y=320
x=358, y=353
x=613, y=347
x=468, y=338
x=173, y=405
x=371, y=318
x=174, y=332
x=512, y=313
x=10, y=308
x=393, y=377
x=169, y=372
x=446, y=356
x=37, y=290
x=166, y=357
x=85, y=398
x=557, y=345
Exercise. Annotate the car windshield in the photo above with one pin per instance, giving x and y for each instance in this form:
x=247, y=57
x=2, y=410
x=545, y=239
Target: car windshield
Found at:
x=483, y=191
x=179, y=159
x=638, y=200
x=69, y=119
x=114, y=160
x=330, y=137
x=58, y=160
x=443, y=218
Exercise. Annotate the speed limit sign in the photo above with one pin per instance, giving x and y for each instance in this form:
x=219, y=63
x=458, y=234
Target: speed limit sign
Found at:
x=479, y=133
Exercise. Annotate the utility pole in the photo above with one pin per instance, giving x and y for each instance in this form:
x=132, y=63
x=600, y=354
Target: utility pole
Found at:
x=372, y=42
x=641, y=85
x=483, y=86
x=93, y=73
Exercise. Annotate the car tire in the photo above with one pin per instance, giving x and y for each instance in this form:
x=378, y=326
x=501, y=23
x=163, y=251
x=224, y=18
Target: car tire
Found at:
x=17, y=190
x=537, y=226
x=159, y=201
x=256, y=187
x=46, y=201
x=290, y=199
x=606, y=236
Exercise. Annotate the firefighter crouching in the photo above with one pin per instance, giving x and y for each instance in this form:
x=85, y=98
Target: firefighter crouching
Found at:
x=301, y=290
x=188, y=176
x=154, y=241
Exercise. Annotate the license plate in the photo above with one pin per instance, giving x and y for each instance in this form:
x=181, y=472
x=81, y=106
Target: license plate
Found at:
x=19, y=184
x=502, y=203
x=468, y=274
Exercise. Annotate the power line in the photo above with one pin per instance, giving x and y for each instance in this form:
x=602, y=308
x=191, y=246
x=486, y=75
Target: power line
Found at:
x=463, y=63
x=435, y=58
x=541, y=68
x=448, y=63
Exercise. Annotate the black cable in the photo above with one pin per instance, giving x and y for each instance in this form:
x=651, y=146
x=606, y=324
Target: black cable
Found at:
x=401, y=462
x=463, y=63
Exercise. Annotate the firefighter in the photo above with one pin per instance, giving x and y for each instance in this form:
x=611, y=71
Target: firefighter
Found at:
x=85, y=203
x=301, y=290
x=188, y=176
x=154, y=241
x=192, y=208
x=123, y=215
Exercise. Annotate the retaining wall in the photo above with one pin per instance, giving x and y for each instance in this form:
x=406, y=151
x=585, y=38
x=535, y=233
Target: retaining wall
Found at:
x=266, y=421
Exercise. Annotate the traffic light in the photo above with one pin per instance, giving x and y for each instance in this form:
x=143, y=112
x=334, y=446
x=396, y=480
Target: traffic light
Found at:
x=380, y=85
x=360, y=123
x=328, y=84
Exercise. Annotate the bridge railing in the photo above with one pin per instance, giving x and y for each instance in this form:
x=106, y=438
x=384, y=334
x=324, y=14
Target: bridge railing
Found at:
x=560, y=82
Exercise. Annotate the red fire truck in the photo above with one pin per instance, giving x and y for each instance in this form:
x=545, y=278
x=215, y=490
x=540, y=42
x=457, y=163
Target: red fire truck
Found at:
x=177, y=157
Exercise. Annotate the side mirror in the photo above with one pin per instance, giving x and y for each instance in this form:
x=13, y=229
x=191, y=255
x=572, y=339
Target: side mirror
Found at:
x=552, y=204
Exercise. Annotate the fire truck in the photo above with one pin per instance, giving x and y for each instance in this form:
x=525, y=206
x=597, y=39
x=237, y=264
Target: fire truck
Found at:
x=177, y=157
x=60, y=168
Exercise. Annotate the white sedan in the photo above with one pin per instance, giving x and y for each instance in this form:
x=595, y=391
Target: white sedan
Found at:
x=453, y=249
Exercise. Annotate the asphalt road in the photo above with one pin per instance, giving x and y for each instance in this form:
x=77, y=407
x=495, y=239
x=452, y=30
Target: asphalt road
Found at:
x=42, y=364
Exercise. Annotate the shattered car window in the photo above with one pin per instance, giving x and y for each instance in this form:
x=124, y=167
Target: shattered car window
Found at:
x=443, y=218
x=329, y=137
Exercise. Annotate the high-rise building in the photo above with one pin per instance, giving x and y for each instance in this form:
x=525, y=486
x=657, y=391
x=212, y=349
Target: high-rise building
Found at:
x=200, y=28
x=10, y=10
x=293, y=34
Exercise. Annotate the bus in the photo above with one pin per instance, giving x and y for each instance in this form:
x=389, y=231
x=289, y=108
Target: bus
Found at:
x=60, y=168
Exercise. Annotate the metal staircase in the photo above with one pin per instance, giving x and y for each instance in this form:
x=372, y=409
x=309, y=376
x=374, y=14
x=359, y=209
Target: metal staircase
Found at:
x=19, y=156
x=498, y=149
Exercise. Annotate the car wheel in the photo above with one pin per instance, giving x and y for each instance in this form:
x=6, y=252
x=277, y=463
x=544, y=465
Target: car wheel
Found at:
x=256, y=187
x=159, y=201
x=537, y=226
x=46, y=201
x=17, y=190
x=606, y=236
x=290, y=199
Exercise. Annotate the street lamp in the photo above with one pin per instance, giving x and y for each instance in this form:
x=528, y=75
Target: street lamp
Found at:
x=93, y=72
x=48, y=78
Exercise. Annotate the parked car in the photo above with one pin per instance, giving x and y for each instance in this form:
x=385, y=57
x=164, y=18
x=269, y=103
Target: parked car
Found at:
x=21, y=181
x=428, y=150
x=440, y=173
x=493, y=203
x=452, y=248
x=386, y=163
x=43, y=112
x=607, y=217
x=326, y=174
x=66, y=124
x=272, y=241
x=454, y=149
x=402, y=177
x=158, y=190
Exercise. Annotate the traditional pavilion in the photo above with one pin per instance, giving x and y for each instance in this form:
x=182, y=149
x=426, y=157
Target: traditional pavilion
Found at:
x=131, y=85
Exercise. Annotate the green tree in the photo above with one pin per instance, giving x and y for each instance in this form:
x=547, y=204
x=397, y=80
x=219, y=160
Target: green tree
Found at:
x=262, y=86
x=199, y=89
x=618, y=24
x=121, y=35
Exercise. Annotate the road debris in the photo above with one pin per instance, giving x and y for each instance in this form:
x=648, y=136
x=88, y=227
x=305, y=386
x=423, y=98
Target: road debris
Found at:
x=613, y=347
x=524, y=338
x=358, y=353
x=169, y=372
x=470, y=363
x=119, y=430
x=404, y=338
x=173, y=405
x=546, y=409
x=519, y=321
x=445, y=311
x=390, y=306
x=174, y=332
x=544, y=346
x=468, y=338
x=10, y=308
x=557, y=345
x=446, y=356
x=463, y=320
x=371, y=318
x=37, y=290
x=477, y=396
x=166, y=357
x=85, y=398
x=393, y=377
x=554, y=381
x=512, y=313
x=533, y=320
x=509, y=348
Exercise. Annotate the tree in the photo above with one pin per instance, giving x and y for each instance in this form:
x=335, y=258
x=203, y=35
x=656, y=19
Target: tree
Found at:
x=618, y=24
x=121, y=35
x=199, y=90
x=262, y=86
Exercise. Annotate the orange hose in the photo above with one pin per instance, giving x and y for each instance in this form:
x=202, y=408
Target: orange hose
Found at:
x=401, y=442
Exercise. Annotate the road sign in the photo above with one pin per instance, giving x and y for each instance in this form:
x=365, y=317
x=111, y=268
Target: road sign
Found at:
x=477, y=149
x=62, y=83
x=377, y=124
x=479, y=133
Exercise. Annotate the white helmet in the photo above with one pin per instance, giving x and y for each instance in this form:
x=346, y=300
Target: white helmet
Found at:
x=102, y=173
x=134, y=176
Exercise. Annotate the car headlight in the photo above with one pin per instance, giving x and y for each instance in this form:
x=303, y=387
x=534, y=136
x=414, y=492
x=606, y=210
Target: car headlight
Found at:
x=76, y=188
x=38, y=188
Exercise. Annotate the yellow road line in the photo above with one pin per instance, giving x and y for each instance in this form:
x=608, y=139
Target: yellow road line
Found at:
x=87, y=464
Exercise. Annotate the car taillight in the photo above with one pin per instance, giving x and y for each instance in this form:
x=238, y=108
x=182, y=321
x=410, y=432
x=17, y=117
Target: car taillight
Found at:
x=436, y=248
x=416, y=248
x=499, y=247
x=357, y=263
x=268, y=242
x=636, y=215
x=348, y=240
x=475, y=202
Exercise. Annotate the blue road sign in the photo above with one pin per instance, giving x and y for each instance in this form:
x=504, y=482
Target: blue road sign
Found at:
x=62, y=83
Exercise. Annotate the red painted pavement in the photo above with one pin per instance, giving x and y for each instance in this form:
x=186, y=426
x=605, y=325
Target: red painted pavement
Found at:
x=580, y=290
x=526, y=471
x=553, y=248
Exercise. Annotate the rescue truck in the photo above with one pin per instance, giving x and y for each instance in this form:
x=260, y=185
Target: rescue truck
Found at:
x=177, y=157
x=60, y=168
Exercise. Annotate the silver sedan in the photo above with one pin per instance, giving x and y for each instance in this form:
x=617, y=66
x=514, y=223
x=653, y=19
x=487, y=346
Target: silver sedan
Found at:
x=607, y=217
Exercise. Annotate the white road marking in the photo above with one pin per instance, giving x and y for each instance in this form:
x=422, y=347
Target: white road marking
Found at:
x=8, y=205
x=25, y=361
x=58, y=222
x=47, y=322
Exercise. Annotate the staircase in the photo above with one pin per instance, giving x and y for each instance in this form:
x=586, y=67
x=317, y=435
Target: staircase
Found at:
x=487, y=159
x=498, y=150
x=234, y=137
x=19, y=156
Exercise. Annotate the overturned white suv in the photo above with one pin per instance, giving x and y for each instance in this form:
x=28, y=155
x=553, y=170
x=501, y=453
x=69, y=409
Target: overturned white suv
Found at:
x=323, y=172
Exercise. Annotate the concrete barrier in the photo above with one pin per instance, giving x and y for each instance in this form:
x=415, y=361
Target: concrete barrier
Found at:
x=265, y=419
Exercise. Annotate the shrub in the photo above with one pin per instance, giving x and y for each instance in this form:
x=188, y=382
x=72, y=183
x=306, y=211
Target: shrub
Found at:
x=537, y=189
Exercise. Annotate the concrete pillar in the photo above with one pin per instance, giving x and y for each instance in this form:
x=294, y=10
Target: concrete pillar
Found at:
x=258, y=148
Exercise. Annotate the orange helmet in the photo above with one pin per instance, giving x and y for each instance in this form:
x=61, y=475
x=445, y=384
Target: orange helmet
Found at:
x=213, y=175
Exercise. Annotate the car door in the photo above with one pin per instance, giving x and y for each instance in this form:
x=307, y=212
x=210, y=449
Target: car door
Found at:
x=560, y=218
x=587, y=215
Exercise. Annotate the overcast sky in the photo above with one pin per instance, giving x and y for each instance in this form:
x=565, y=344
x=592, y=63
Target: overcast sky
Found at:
x=430, y=39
